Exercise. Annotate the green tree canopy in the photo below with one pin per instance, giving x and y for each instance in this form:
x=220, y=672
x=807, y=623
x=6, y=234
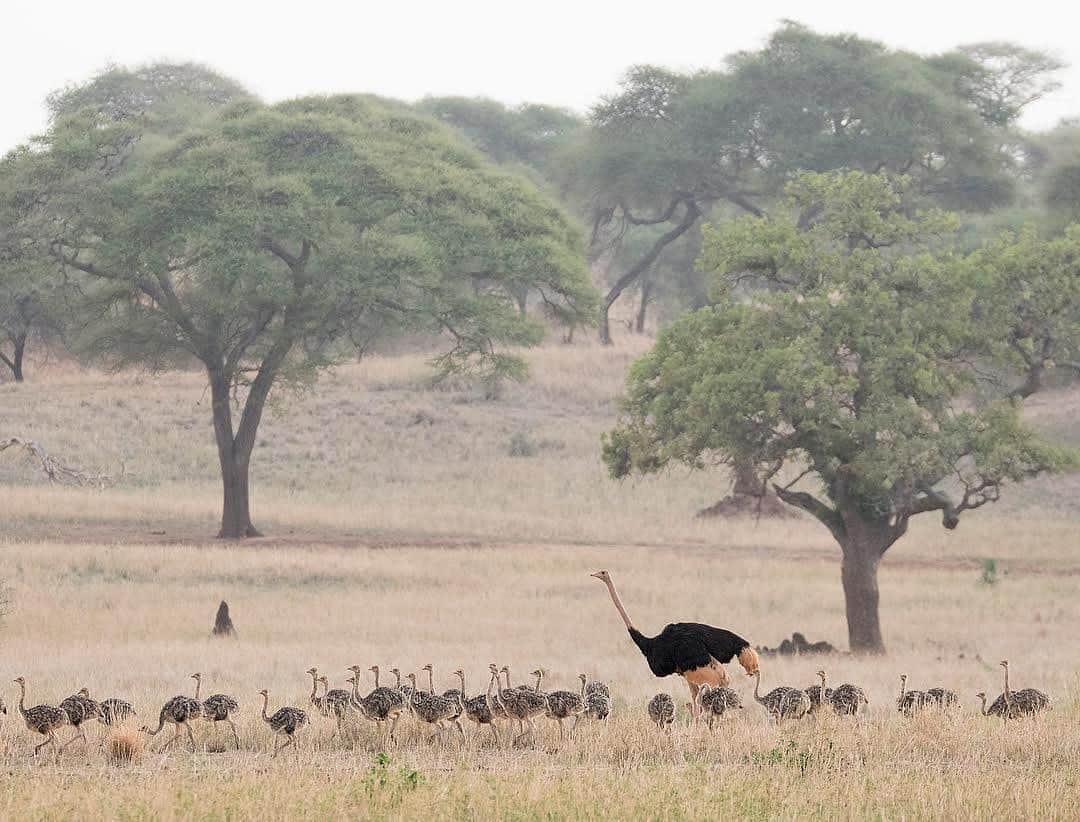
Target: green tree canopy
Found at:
x=670, y=148
x=530, y=135
x=253, y=239
x=849, y=365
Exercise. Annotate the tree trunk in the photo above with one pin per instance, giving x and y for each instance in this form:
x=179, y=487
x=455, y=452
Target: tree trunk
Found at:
x=234, y=459
x=642, y=265
x=646, y=293
x=15, y=362
x=862, y=553
x=605, y=323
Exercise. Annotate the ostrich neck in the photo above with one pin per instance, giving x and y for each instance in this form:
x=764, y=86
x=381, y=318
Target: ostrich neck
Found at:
x=583, y=690
x=903, y=690
x=1007, y=691
x=22, y=697
x=461, y=676
x=198, y=688
x=266, y=701
x=376, y=672
x=757, y=683
x=983, y=709
x=618, y=604
x=539, y=679
x=506, y=671
x=431, y=680
x=314, y=686
x=823, y=684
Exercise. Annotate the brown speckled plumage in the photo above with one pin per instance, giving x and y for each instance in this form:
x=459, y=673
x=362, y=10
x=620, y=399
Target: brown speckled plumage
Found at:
x=178, y=711
x=941, y=697
x=284, y=722
x=114, y=711
x=909, y=702
x=523, y=704
x=847, y=699
x=662, y=711
x=562, y=705
x=217, y=708
x=783, y=702
x=41, y=719
x=715, y=702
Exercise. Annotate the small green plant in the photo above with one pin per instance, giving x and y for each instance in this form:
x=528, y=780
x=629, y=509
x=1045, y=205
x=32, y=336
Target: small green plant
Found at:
x=791, y=754
x=389, y=784
x=989, y=575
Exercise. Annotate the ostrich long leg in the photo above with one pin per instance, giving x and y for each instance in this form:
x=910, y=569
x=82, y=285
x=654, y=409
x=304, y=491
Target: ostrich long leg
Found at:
x=236, y=737
x=77, y=735
x=48, y=741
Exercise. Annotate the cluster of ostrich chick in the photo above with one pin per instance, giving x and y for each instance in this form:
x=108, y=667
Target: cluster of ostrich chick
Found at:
x=692, y=650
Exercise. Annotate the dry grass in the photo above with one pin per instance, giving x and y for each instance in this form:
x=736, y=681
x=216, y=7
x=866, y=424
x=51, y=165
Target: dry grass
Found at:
x=403, y=532
x=124, y=746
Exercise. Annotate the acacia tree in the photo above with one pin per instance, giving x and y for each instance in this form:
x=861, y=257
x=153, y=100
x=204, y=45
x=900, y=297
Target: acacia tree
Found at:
x=671, y=149
x=253, y=241
x=1031, y=290
x=128, y=106
x=27, y=290
x=848, y=367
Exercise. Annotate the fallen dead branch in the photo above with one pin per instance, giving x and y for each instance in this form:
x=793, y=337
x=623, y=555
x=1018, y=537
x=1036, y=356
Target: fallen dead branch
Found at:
x=60, y=472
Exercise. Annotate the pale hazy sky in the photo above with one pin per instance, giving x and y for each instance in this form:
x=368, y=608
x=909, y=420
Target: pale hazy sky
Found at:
x=560, y=52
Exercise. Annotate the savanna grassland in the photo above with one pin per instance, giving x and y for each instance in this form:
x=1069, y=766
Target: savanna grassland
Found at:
x=409, y=524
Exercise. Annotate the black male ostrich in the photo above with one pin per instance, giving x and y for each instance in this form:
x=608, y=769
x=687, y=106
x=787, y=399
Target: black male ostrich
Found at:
x=694, y=651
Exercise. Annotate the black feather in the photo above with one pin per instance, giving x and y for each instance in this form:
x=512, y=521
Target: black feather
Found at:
x=685, y=646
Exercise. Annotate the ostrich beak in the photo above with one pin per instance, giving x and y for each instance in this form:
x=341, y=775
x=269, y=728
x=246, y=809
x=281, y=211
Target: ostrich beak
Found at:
x=597, y=574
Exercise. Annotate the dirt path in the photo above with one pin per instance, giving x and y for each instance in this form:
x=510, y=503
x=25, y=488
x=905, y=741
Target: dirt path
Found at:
x=188, y=535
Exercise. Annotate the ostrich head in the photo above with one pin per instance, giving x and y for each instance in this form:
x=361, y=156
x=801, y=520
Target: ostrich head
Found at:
x=197, y=676
x=19, y=680
x=354, y=668
x=374, y=669
x=264, y=692
x=313, y=672
x=603, y=576
x=1004, y=663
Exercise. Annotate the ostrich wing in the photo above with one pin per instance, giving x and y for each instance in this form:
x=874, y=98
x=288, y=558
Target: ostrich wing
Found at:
x=686, y=646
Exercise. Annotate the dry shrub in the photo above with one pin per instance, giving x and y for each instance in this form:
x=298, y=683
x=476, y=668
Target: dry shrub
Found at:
x=124, y=746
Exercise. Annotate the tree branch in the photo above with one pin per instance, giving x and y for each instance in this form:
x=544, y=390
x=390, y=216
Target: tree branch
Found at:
x=57, y=471
x=819, y=510
x=642, y=265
